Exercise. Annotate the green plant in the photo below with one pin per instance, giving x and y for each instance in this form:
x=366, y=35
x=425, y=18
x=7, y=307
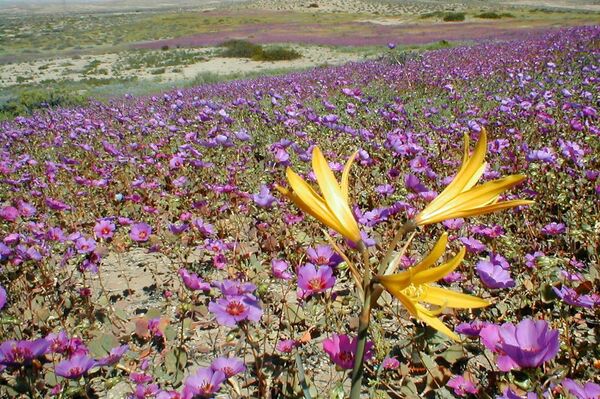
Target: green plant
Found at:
x=277, y=54
x=240, y=49
x=454, y=17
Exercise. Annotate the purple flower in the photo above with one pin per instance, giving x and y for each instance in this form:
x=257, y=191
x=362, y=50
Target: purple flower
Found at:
x=104, y=229
x=587, y=391
x=286, y=345
x=114, y=356
x=204, y=383
x=508, y=394
x=323, y=255
x=264, y=199
x=57, y=205
x=553, y=229
x=2, y=297
x=229, y=311
x=74, y=367
x=413, y=183
x=14, y=353
x=229, y=366
x=9, y=213
x=494, y=272
x=390, y=363
x=462, y=386
x=206, y=229
x=313, y=281
x=531, y=259
x=85, y=245
x=341, y=350
x=472, y=244
x=570, y=296
x=140, y=232
x=280, y=268
x=471, y=329
x=192, y=281
x=529, y=344
x=391, y=45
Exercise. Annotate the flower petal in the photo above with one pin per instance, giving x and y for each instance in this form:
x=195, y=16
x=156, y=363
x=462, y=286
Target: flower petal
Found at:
x=462, y=178
x=436, y=252
x=451, y=299
x=436, y=273
x=334, y=197
x=426, y=316
x=481, y=210
x=346, y=174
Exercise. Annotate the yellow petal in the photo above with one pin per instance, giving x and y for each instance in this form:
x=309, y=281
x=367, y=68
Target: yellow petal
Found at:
x=482, y=194
x=409, y=304
x=450, y=299
x=469, y=169
x=437, y=273
x=398, y=281
x=482, y=210
x=436, y=252
x=426, y=316
x=333, y=196
x=310, y=199
x=345, y=176
x=475, y=178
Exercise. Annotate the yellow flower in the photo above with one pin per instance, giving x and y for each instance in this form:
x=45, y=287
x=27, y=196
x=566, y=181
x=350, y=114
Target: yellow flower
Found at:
x=461, y=199
x=413, y=286
x=332, y=208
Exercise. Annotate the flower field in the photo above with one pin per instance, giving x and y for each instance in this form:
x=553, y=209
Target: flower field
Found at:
x=423, y=225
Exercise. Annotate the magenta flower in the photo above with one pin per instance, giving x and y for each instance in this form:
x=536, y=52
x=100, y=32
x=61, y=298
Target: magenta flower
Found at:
x=552, y=229
x=192, y=281
x=140, y=232
x=313, y=281
x=2, y=297
x=14, y=353
x=229, y=366
x=529, y=344
x=264, y=199
x=573, y=298
x=323, y=255
x=280, y=268
x=229, y=311
x=104, y=229
x=85, y=245
x=9, y=213
x=114, y=356
x=494, y=272
x=286, y=345
x=341, y=350
x=462, y=386
x=204, y=383
x=587, y=391
x=74, y=367
x=390, y=363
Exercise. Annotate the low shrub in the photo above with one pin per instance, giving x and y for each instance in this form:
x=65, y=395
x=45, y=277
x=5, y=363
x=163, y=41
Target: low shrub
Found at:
x=277, y=54
x=30, y=100
x=454, y=17
x=240, y=49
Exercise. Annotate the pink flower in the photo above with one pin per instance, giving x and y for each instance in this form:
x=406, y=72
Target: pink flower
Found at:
x=9, y=213
x=280, y=268
x=341, y=350
x=104, y=229
x=462, y=386
x=390, y=363
x=312, y=281
x=140, y=232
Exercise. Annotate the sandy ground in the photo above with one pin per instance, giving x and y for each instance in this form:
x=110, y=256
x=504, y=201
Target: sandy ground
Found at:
x=72, y=69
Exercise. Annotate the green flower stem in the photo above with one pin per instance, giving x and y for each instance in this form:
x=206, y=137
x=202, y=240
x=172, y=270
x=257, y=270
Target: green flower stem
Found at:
x=363, y=329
